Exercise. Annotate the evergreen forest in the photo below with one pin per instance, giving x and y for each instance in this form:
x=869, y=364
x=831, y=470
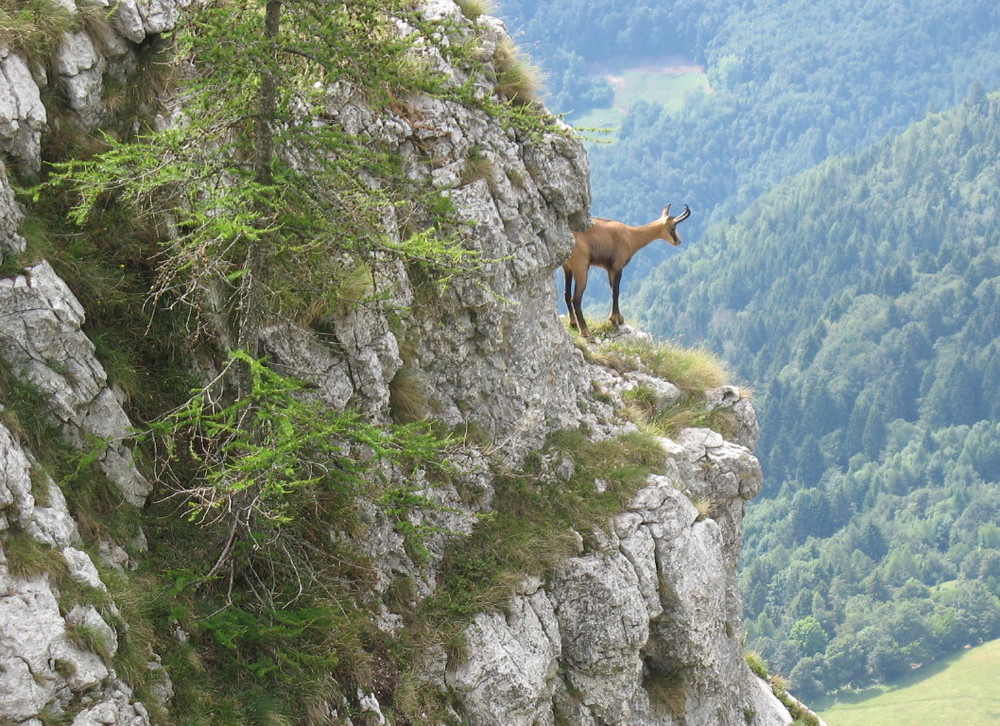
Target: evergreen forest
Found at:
x=842, y=258
x=792, y=83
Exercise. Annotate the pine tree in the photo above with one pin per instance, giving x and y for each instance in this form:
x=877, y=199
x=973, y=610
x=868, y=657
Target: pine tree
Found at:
x=264, y=199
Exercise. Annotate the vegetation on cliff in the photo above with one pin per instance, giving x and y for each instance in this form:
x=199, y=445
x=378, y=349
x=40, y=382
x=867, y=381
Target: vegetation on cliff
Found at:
x=249, y=207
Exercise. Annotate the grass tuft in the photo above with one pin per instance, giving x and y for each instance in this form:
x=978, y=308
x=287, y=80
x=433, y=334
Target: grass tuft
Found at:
x=33, y=28
x=518, y=80
x=478, y=166
x=407, y=397
x=691, y=370
x=757, y=664
x=690, y=412
x=28, y=558
x=23, y=411
x=474, y=9
x=86, y=637
x=704, y=507
x=667, y=692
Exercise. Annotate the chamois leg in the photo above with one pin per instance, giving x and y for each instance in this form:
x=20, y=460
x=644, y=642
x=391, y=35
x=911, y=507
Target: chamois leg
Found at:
x=581, y=285
x=569, y=298
x=615, y=278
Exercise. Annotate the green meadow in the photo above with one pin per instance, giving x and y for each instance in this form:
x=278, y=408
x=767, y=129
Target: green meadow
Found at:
x=667, y=86
x=963, y=689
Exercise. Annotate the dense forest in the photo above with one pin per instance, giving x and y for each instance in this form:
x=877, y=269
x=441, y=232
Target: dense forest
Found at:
x=862, y=300
x=843, y=259
x=793, y=82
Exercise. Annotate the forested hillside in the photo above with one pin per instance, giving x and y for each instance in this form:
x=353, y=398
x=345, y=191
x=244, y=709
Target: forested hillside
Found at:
x=793, y=82
x=860, y=299
x=863, y=301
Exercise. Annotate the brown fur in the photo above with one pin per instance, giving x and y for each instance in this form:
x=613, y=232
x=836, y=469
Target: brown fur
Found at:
x=611, y=245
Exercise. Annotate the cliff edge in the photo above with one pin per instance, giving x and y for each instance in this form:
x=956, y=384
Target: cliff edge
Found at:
x=637, y=620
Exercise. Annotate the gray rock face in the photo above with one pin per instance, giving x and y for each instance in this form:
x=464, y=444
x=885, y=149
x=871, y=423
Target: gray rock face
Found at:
x=493, y=349
x=41, y=342
x=42, y=667
x=11, y=241
x=80, y=64
x=45, y=667
x=137, y=19
x=645, y=630
x=81, y=74
x=22, y=114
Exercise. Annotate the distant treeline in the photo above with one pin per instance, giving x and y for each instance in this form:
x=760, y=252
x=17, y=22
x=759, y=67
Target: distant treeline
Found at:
x=793, y=82
x=862, y=300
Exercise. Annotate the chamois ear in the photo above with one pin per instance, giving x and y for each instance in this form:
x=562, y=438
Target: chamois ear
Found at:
x=666, y=211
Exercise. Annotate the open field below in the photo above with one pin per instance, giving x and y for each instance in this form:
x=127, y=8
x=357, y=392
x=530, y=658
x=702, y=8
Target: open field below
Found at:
x=963, y=689
x=668, y=85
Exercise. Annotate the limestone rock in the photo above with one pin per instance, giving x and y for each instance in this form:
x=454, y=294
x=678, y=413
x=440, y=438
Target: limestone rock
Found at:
x=39, y=666
x=80, y=64
x=43, y=668
x=11, y=241
x=137, y=19
x=509, y=680
x=604, y=625
x=22, y=114
x=654, y=604
x=664, y=393
x=49, y=523
x=42, y=342
x=81, y=74
x=492, y=344
x=739, y=402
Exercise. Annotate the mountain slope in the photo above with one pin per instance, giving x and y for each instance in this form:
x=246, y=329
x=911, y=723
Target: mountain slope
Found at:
x=861, y=298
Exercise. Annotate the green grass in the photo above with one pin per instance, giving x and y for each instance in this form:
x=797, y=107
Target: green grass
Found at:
x=962, y=689
x=643, y=84
x=535, y=515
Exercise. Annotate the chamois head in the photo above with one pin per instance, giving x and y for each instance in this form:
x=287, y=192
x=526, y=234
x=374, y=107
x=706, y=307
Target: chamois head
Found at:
x=670, y=224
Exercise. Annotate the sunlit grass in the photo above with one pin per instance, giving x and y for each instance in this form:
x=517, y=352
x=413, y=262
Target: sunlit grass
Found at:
x=473, y=9
x=518, y=80
x=671, y=90
x=961, y=689
x=692, y=370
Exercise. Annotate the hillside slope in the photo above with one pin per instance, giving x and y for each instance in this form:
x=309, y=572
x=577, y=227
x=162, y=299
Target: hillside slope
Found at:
x=862, y=299
x=962, y=689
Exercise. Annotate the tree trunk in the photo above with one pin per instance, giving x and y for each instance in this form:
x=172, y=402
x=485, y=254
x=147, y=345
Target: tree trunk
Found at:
x=250, y=293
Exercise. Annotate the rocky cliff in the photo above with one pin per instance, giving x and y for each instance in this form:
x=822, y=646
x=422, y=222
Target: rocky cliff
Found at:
x=640, y=623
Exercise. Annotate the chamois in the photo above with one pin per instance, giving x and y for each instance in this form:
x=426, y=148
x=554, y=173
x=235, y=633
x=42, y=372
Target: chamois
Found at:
x=611, y=245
